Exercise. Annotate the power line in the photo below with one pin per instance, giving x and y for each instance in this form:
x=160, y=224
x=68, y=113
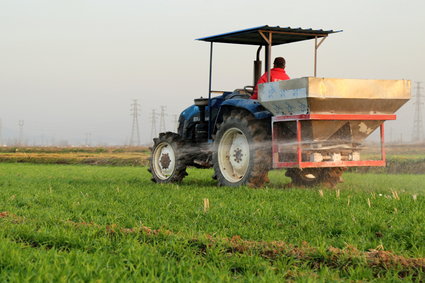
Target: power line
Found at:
x=135, y=134
x=418, y=125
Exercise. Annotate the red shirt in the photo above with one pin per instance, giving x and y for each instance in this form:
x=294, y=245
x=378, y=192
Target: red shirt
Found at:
x=276, y=74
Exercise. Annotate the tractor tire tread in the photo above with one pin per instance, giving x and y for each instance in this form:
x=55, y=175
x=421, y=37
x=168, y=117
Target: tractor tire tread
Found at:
x=181, y=160
x=262, y=149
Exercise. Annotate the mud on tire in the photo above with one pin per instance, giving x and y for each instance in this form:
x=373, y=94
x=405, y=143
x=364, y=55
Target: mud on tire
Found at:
x=242, y=150
x=168, y=160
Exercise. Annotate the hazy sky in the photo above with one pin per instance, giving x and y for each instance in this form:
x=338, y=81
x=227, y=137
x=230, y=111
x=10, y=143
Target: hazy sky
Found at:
x=69, y=67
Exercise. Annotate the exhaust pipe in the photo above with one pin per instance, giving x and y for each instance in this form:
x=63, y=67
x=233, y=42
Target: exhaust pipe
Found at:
x=257, y=66
x=201, y=128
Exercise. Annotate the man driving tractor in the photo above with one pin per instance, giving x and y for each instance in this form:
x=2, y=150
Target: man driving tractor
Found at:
x=276, y=74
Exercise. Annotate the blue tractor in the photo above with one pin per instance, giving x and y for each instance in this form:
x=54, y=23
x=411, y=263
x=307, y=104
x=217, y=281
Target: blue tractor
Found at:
x=229, y=131
x=312, y=127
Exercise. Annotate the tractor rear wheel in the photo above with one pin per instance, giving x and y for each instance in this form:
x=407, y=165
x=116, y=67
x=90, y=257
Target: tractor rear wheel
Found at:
x=242, y=150
x=167, y=162
x=310, y=177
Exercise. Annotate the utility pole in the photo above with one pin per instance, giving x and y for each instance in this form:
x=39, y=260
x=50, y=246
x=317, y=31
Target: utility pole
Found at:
x=135, y=134
x=162, y=119
x=418, y=125
x=153, y=123
x=21, y=133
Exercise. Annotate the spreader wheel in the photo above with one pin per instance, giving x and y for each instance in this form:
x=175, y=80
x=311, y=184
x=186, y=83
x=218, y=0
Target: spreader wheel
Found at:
x=310, y=177
x=167, y=162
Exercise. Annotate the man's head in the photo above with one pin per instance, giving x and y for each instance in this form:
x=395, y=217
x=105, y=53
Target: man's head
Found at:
x=279, y=62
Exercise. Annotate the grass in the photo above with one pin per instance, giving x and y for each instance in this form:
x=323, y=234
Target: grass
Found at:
x=85, y=223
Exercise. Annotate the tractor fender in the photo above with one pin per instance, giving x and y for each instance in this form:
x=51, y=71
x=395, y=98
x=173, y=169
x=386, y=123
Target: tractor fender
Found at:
x=250, y=105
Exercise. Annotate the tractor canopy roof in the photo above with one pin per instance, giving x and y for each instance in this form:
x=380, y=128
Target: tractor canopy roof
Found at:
x=262, y=35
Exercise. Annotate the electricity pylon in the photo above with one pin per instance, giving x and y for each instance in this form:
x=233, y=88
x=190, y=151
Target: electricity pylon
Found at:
x=176, y=122
x=162, y=119
x=88, y=139
x=21, y=133
x=418, y=125
x=135, y=134
x=153, y=123
x=1, y=137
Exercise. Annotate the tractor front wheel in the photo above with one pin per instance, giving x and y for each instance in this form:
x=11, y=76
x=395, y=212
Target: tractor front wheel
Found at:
x=167, y=162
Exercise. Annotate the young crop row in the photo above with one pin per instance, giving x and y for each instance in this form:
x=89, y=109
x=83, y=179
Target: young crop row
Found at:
x=86, y=223
x=68, y=149
x=139, y=157
x=240, y=259
x=110, y=159
x=397, y=165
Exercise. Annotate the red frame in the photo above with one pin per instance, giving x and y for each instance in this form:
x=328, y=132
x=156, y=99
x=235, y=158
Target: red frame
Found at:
x=346, y=117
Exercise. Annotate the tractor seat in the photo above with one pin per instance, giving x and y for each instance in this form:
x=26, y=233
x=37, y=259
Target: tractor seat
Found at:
x=239, y=94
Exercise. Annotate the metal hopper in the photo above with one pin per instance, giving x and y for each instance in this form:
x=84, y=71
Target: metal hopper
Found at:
x=321, y=122
x=311, y=95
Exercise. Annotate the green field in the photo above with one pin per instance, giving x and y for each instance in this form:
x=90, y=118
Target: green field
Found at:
x=103, y=224
x=400, y=159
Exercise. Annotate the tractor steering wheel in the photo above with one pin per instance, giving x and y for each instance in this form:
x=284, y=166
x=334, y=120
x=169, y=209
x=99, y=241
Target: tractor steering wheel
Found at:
x=249, y=89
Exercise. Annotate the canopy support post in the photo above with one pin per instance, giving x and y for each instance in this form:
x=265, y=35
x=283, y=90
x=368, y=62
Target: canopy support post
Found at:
x=209, y=96
x=268, y=40
x=269, y=49
x=316, y=46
